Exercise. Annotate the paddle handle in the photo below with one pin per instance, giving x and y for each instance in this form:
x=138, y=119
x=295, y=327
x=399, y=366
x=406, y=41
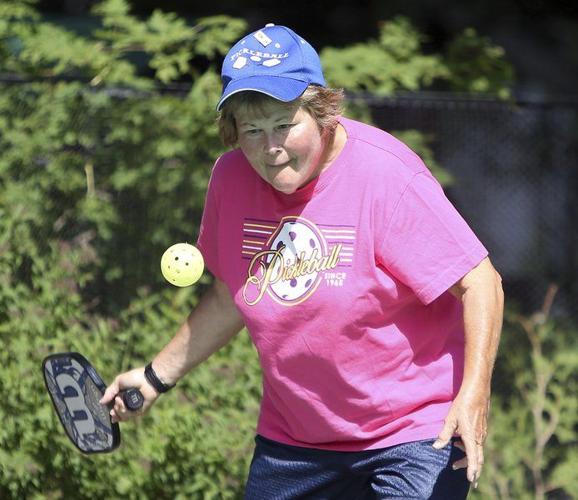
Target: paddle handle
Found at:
x=132, y=399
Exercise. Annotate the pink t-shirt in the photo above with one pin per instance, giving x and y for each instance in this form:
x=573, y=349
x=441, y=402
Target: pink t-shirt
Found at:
x=343, y=288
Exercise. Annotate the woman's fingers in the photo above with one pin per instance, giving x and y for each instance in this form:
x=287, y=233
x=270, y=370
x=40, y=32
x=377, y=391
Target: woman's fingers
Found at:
x=118, y=412
x=113, y=395
x=462, y=463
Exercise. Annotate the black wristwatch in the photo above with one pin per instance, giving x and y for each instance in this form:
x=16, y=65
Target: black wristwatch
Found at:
x=153, y=379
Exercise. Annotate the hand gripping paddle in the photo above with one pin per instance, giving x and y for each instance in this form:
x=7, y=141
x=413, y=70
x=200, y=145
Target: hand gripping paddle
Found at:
x=75, y=389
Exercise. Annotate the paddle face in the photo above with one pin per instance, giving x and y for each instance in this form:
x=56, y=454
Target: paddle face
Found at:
x=75, y=389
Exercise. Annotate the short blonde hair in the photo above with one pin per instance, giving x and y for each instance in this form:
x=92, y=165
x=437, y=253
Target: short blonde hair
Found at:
x=325, y=105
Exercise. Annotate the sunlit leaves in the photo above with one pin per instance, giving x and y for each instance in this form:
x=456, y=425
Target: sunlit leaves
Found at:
x=394, y=61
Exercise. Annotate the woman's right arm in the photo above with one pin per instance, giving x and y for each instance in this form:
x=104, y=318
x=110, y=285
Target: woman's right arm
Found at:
x=211, y=325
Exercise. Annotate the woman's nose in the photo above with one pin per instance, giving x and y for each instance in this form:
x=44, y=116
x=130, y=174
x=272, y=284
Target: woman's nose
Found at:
x=272, y=144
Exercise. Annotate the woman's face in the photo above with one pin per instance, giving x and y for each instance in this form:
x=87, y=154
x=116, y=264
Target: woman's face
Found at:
x=282, y=143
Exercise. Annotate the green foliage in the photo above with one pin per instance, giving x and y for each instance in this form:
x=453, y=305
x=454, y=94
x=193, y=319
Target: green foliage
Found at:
x=478, y=66
x=92, y=187
x=395, y=61
x=197, y=441
x=45, y=49
x=382, y=66
x=531, y=451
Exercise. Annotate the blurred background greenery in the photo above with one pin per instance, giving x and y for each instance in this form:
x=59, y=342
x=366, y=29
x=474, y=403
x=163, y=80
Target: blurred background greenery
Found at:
x=107, y=139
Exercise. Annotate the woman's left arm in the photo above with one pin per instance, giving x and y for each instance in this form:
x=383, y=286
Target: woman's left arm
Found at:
x=483, y=301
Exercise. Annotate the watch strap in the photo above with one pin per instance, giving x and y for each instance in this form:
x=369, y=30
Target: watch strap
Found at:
x=154, y=380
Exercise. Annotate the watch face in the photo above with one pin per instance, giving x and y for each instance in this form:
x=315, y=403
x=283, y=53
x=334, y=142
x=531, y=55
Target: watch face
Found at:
x=75, y=389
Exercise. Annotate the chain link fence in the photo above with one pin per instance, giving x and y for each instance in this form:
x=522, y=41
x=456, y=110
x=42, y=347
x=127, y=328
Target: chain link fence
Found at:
x=515, y=167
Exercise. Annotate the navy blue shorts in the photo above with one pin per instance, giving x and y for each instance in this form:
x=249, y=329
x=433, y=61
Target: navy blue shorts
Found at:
x=410, y=470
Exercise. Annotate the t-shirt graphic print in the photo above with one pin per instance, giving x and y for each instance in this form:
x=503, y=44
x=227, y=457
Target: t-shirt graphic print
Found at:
x=289, y=259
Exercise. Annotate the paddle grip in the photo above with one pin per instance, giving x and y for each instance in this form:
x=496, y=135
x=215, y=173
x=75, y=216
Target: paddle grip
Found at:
x=132, y=399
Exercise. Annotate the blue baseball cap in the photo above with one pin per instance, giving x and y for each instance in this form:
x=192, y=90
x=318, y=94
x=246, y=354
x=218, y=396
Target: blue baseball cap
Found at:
x=273, y=60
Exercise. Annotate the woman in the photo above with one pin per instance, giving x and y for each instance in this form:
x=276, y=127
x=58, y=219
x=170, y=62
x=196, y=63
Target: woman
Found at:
x=375, y=310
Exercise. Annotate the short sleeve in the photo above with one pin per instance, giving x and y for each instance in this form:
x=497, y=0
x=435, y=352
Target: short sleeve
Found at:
x=207, y=242
x=427, y=244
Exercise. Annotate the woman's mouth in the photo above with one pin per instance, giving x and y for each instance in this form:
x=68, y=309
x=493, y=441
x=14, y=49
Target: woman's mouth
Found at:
x=278, y=165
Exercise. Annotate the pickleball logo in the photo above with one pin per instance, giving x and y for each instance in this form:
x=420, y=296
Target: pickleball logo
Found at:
x=289, y=261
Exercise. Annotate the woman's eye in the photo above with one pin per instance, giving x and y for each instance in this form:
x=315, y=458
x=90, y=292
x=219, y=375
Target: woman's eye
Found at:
x=252, y=131
x=285, y=126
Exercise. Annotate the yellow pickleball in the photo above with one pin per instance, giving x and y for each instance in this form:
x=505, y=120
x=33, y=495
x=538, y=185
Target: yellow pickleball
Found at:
x=182, y=264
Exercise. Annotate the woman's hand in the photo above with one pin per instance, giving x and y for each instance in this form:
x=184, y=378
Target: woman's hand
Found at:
x=468, y=418
x=131, y=379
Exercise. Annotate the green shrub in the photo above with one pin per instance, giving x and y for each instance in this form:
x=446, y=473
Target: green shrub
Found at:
x=93, y=188
x=531, y=451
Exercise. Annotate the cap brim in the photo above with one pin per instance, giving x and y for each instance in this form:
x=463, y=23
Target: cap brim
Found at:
x=281, y=88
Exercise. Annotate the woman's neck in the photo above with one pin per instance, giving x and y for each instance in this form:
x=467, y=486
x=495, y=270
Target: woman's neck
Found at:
x=335, y=144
